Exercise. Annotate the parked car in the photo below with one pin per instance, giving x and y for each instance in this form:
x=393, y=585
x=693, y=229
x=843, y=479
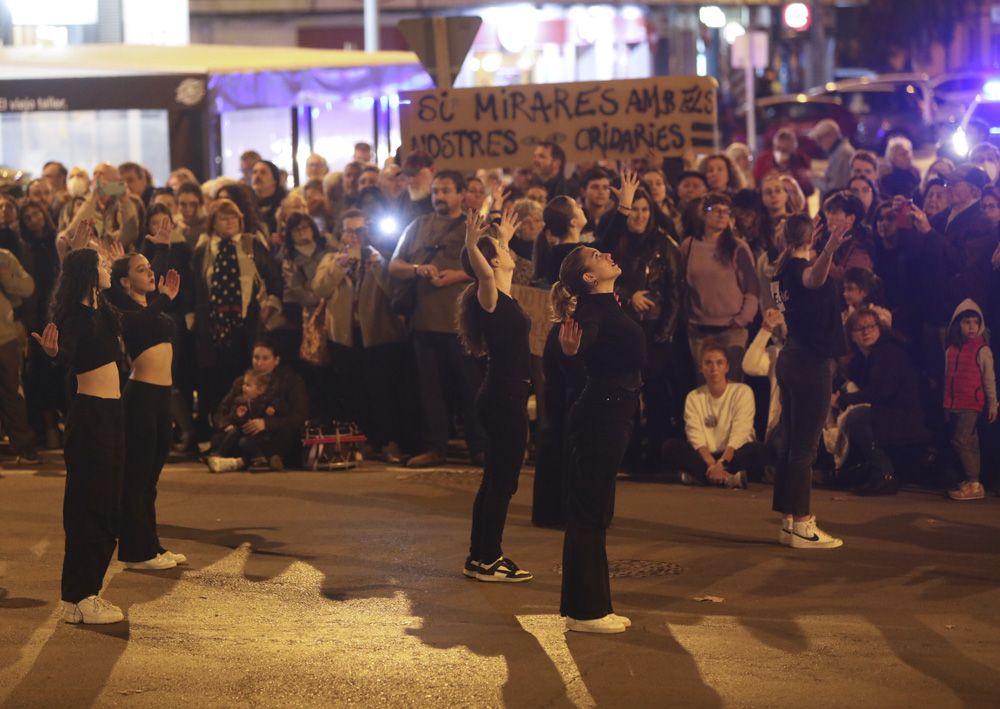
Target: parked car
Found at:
x=979, y=124
x=798, y=112
x=953, y=93
x=885, y=105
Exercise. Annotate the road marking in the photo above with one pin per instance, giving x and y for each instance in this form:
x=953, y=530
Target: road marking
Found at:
x=12, y=675
x=550, y=631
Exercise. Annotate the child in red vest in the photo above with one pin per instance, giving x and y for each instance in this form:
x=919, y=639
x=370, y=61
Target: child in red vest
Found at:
x=970, y=389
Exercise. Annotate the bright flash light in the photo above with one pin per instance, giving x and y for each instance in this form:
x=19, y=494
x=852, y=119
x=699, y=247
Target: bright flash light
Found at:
x=388, y=225
x=991, y=90
x=712, y=16
x=960, y=142
x=733, y=30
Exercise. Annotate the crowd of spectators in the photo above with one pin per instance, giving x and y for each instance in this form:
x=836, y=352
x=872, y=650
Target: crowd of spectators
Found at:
x=336, y=300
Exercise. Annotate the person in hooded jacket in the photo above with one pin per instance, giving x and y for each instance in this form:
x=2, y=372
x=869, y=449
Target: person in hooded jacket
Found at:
x=970, y=390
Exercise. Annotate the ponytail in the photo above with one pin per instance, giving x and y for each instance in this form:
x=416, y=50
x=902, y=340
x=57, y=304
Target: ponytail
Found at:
x=470, y=334
x=562, y=302
x=798, y=232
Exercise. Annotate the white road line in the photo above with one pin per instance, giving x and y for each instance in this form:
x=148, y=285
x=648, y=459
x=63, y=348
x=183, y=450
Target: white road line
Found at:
x=550, y=631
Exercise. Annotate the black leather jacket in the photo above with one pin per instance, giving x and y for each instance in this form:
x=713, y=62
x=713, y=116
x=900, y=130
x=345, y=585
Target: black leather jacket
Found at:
x=650, y=261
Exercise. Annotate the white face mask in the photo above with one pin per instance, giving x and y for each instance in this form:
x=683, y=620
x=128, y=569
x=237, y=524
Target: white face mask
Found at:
x=780, y=156
x=992, y=169
x=78, y=186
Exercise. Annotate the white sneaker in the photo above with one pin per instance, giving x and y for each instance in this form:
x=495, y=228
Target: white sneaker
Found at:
x=160, y=562
x=785, y=535
x=607, y=625
x=218, y=464
x=736, y=481
x=627, y=622
x=92, y=610
x=178, y=558
x=806, y=535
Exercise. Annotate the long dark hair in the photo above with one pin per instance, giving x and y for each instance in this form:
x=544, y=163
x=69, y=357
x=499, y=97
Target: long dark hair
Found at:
x=49, y=230
x=470, y=331
x=79, y=279
x=117, y=295
x=725, y=248
x=293, y=222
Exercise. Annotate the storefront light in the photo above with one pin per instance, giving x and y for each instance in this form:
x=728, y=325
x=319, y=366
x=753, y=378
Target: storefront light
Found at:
x=474, y=64
x=732, y=31
x=712, y=16
x=517, y=27
x=491, y=62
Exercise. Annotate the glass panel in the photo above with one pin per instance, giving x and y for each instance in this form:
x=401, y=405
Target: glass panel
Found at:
x=29, y=140
x=340, y=123
x=266, y=130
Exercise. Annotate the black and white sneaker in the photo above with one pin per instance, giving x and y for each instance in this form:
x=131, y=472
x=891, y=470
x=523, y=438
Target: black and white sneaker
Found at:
x=503, y=570
x=806, y=535
x=472, y=567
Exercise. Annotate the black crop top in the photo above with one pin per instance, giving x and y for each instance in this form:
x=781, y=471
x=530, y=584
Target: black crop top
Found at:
x=88, y=339
x=145, y=327
x=506, y=332
x=613, y=345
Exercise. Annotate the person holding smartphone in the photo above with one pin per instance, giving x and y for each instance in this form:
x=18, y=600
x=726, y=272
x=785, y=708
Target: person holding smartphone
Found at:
x=113, y=215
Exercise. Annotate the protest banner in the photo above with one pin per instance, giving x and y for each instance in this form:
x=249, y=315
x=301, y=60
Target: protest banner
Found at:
x=500, y=126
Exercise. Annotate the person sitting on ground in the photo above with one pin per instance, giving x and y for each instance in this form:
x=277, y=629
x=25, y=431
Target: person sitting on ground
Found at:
x=287, y=390
x=886, y=438
x=233, y=449
x=718, y=422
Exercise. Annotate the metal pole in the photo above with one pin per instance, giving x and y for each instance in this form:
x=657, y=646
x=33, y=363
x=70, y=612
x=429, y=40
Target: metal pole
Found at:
x=371, y=26
x=750, y=76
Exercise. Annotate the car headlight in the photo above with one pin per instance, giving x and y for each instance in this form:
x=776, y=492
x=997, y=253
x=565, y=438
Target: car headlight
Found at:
x=960, y=142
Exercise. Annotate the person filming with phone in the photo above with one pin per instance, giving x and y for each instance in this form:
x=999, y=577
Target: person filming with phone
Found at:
x=113, y=215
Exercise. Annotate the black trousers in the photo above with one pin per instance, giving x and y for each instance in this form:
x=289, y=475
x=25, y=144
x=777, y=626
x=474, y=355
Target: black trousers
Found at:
x=95, y=455
x=13, y=410
x=680, y=455
x=806, y=382
x=147, y=443
x=236, y=444
x=232, y=357
x=600, y=424
x=443, y=365
x=503, y=414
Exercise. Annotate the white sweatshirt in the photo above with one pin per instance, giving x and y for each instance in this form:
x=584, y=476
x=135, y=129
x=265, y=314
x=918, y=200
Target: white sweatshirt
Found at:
x=732, y=413
x=760, y=360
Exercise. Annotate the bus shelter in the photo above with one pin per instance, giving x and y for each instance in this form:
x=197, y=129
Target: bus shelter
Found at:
x=198, y=106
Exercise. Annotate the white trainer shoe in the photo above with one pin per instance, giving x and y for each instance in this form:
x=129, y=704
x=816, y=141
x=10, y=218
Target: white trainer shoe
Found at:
x=607, y=625
x=627, y=622
x=218, y=464
x=92, y=610
x=785, y=535
x=160, y=562
x=806, y=535
x=178, y=558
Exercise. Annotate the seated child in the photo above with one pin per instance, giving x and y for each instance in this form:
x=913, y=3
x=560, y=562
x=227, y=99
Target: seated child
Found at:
x=234, y=448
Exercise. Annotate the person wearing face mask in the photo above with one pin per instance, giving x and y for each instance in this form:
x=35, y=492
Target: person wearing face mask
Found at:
x=77, y=189
x=785, y=157
x=649, y=289
x=113, y=216
x=887, y=437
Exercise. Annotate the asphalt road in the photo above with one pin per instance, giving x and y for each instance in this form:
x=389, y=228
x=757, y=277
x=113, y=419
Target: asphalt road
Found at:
x=331, y=589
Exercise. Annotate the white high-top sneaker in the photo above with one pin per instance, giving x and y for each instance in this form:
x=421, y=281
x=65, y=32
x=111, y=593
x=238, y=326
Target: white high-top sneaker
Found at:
x=806, y=535
x=607, y=625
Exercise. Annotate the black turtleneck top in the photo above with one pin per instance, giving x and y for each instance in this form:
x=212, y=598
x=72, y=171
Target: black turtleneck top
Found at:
x=506, y=332
x=145, y=327
x=613, y=346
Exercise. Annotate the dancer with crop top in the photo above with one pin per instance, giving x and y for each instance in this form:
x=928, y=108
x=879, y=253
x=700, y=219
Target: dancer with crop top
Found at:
x=613, y=348
x=84, y=334
x=147, y=330
x=491, y=323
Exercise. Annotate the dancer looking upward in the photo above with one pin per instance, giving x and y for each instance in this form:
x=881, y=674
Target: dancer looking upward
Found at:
x=491, y=323
x=613, y=348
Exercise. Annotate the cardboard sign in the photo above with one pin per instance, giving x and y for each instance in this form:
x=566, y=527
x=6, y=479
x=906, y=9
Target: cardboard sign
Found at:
x=535, y=303
x=467, y=129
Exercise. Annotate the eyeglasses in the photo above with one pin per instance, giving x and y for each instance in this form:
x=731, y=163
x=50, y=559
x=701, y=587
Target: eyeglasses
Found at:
x=718, y=209
x=361, y=232
x=865, y=328
x=990, y=205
